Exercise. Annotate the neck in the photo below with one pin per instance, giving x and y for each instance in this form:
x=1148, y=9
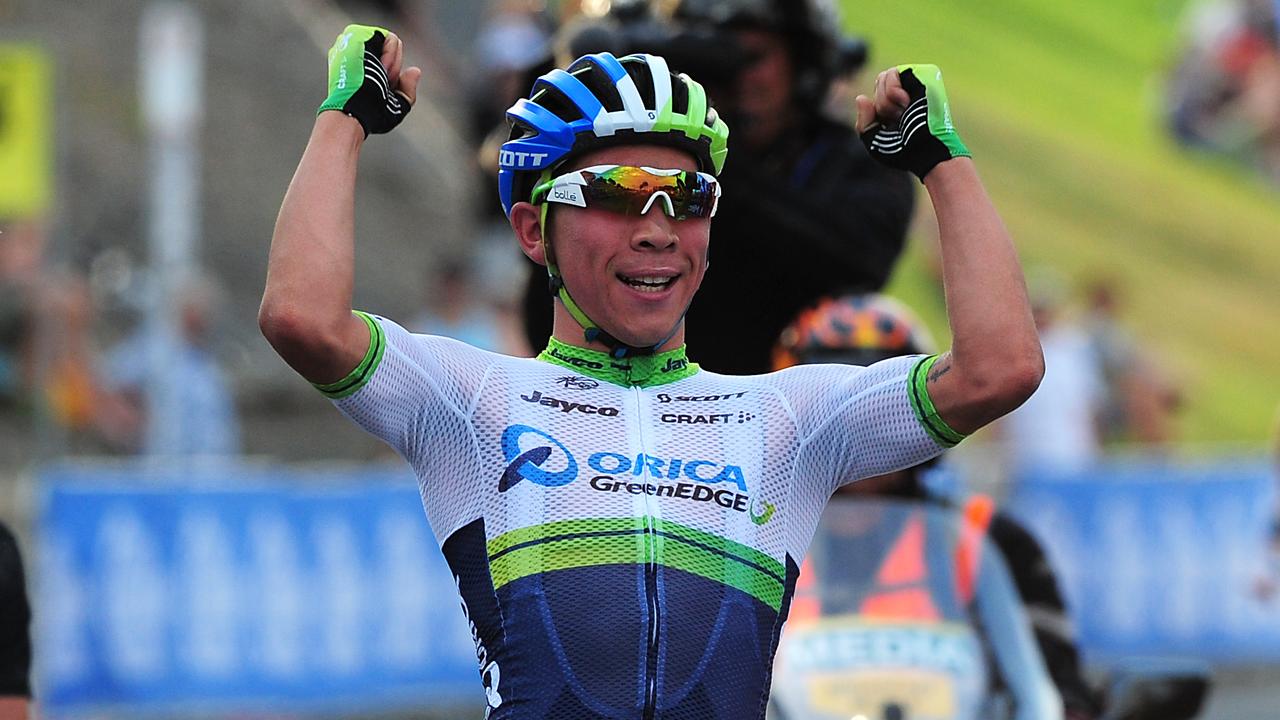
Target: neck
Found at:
x=643, y=371
x=566, y=328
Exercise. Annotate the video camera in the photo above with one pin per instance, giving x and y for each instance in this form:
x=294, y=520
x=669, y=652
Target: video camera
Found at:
x=703, y=43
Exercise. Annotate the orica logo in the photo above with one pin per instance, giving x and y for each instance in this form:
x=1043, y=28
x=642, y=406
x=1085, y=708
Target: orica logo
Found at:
x=527, y=464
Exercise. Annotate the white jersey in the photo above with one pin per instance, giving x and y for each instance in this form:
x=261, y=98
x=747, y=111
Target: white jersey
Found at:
x=625, y=535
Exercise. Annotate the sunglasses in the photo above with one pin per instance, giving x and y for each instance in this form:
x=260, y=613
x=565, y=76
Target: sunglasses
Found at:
x=634, y=190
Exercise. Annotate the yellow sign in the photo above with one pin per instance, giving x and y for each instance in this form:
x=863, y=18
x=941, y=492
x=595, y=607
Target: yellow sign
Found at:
x=26, y=131
x=920, y=694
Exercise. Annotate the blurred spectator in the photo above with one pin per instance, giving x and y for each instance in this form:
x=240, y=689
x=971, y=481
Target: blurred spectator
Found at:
x=514, y=39
x=209, y=425
x=21, y=257
x=807, y=209
x=1057, y=428
x=15, y=632
x=452, y=310
x=66, y=351
x=512, y=50
x=1224, y=94
x=868, y=328
x=1139, y=401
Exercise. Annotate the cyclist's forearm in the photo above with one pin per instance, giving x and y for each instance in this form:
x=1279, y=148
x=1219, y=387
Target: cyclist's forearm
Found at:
x=995, y=359
x=306, y=307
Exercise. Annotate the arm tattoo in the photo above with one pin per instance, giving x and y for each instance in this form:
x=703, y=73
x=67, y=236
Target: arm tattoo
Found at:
x=940, y=368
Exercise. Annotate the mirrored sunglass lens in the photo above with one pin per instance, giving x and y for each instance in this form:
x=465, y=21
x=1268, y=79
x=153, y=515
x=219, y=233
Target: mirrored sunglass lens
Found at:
x=629, y=190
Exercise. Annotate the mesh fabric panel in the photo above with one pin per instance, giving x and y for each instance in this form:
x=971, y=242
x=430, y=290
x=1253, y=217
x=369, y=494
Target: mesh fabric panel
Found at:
x=626, y=550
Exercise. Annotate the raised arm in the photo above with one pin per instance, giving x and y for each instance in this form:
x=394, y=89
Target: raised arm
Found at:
x=306, y=306
x=995, y=362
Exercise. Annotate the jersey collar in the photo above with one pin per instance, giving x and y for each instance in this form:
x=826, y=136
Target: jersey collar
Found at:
x=640, y=371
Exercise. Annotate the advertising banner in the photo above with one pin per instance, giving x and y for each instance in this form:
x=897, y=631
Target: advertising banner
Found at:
x=1163, y=560
x=234, y=589
x=26, y=130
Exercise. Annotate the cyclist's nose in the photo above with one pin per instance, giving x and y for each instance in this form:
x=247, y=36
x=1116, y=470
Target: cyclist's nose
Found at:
x=655, y=229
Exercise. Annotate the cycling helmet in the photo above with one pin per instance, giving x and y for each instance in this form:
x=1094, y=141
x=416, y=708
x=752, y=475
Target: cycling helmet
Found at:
x=600, y=101
x=852, y=329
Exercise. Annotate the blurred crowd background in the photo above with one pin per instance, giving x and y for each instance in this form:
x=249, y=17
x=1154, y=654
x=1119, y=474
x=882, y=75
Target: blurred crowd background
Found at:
x=145, y=148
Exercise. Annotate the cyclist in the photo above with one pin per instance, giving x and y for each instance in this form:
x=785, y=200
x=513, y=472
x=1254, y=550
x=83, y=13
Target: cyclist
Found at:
x=795, y=173
x=863, y=329
x=624, y=529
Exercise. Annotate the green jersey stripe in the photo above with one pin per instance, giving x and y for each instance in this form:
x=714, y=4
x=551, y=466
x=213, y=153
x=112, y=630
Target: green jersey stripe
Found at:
x=639, y=371
x=937, y=428
x=635, y=549
x=357, y=378
x=586, y=526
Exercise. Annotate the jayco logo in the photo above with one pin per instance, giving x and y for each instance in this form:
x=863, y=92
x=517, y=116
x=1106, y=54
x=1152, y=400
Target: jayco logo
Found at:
x=568, y=407
x=575, y=361
x=577, y=383
x=674, y=364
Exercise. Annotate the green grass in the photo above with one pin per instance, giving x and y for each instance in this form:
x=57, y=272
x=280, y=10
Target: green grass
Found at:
x=1060, y=103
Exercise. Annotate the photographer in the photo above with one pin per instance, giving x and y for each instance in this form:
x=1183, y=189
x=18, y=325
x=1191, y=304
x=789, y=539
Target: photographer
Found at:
x=808, y=210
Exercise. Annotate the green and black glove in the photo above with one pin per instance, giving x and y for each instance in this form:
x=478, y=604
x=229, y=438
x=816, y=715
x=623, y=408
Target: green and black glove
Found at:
x=358, y=84
x=924, y=135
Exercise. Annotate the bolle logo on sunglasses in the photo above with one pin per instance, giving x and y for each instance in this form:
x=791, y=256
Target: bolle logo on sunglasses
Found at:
x=513, y=159
x=569, y=194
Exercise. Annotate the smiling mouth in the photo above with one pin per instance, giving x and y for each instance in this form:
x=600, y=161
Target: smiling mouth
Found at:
x=647, y=283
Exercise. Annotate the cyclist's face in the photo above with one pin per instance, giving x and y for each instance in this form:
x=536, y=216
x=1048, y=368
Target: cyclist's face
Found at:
x=633, y=275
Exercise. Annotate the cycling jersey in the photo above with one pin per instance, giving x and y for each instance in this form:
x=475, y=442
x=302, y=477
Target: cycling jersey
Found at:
x=625, y=535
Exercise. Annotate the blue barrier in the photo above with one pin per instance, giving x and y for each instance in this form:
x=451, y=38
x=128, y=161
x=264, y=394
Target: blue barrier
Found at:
x=1161, y=560
x=240, y=588
x=234, y=588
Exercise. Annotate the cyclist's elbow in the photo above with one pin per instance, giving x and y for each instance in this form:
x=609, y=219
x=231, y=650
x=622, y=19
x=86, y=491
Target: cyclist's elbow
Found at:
x=296, y=336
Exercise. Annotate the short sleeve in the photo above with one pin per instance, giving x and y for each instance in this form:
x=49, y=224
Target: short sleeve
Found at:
x=857, y=422
x=411, y=389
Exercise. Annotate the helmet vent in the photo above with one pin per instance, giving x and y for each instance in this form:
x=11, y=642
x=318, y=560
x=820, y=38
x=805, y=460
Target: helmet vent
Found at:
x=639, y=72
x=550, y=97
x=601, y=86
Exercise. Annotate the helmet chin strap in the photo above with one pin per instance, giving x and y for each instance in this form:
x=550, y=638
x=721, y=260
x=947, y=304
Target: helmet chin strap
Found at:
x=591, y=331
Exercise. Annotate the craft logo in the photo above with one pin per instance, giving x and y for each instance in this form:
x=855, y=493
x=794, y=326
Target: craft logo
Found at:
x=713, y=419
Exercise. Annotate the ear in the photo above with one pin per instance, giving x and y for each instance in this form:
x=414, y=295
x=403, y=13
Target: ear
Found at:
x=525, y=222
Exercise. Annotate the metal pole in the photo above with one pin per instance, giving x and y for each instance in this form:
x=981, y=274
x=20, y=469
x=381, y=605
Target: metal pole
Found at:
x=171, y=58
